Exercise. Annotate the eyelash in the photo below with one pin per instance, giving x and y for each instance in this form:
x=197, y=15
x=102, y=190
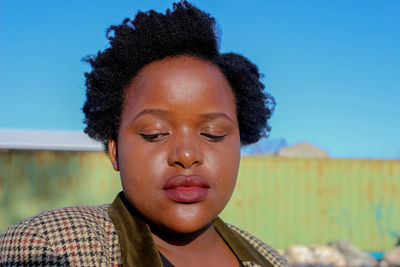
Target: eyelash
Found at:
x=214, y=138
x=153, y=137
x=159, y=136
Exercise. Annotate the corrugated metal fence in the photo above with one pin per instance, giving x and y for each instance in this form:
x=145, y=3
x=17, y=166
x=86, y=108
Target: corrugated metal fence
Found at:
x=314, y=201
x=282, y=201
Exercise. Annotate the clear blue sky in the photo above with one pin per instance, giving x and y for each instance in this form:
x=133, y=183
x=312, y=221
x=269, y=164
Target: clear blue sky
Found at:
x=333, y=66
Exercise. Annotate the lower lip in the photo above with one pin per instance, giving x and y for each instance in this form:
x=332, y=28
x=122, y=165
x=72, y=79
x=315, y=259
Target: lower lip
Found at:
x=187, y=194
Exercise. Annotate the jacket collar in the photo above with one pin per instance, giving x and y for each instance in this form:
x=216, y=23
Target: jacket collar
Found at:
x=137, y=245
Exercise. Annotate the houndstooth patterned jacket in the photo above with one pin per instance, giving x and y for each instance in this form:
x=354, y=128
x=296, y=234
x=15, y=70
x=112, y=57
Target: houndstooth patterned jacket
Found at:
x=81, y=236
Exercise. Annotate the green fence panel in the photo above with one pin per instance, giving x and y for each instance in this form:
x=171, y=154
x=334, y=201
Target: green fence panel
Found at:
x=282, y=201
x=314, y=201
x=34, y=181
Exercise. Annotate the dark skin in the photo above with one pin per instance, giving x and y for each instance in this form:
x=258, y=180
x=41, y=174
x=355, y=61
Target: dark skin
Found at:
x=179, y=123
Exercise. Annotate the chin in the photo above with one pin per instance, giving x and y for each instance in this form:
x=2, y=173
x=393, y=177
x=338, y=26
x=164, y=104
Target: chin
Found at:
x=187, y=229
x=188, y=219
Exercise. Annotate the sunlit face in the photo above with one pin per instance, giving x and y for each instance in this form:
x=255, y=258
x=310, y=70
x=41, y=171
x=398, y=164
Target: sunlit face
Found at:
x=178, y=146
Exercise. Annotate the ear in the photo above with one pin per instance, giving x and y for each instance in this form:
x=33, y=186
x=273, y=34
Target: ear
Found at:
x=113, y=152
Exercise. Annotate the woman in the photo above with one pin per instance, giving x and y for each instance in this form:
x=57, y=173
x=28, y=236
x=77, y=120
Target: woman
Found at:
x=172, y=113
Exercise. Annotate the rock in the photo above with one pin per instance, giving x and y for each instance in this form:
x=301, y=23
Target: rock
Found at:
x=314, y=256
x=327, y=256
x=299, y=255
x=383, y=263
x=354, y=256
x=392, y=257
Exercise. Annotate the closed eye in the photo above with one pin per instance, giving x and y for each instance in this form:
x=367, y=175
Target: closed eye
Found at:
x=154, y=137
x=213, y=138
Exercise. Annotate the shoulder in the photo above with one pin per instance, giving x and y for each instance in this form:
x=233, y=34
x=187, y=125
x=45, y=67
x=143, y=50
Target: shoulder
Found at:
x=268, y=252
x=71, y=235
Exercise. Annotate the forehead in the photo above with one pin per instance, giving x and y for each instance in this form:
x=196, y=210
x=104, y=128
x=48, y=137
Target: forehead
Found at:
x=180, y=80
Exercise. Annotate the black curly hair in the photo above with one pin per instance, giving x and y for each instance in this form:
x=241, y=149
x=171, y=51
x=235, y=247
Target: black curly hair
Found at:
x=150, y=36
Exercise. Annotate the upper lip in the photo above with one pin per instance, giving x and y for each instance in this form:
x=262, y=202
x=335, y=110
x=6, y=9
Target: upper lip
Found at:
x=186, y=181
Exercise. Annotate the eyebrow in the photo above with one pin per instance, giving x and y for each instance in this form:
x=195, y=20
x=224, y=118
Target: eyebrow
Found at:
x=214, y=116
x=163, y=112
x=153, y=111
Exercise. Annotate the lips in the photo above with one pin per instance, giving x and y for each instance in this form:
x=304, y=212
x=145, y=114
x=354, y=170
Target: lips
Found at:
x=186, y=189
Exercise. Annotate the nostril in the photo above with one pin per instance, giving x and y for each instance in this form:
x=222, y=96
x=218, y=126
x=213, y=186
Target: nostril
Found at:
x=184, y=165
x=180, y=164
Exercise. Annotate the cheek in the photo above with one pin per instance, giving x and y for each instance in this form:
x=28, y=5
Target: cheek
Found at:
x=139, y=167
x=226, y=166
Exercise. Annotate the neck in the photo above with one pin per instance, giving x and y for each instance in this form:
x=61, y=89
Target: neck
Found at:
x=168, y=242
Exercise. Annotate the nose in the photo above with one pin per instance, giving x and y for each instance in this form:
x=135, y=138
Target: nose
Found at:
x=185, y=152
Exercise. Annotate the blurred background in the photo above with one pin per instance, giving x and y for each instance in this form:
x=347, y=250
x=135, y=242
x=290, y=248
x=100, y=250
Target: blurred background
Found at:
x=330, y=170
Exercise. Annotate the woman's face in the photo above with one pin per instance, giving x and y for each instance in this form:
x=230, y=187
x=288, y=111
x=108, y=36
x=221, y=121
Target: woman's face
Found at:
x=178, y=147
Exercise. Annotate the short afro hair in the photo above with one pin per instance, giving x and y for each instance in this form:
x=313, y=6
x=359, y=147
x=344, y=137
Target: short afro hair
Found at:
x=151, y=36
